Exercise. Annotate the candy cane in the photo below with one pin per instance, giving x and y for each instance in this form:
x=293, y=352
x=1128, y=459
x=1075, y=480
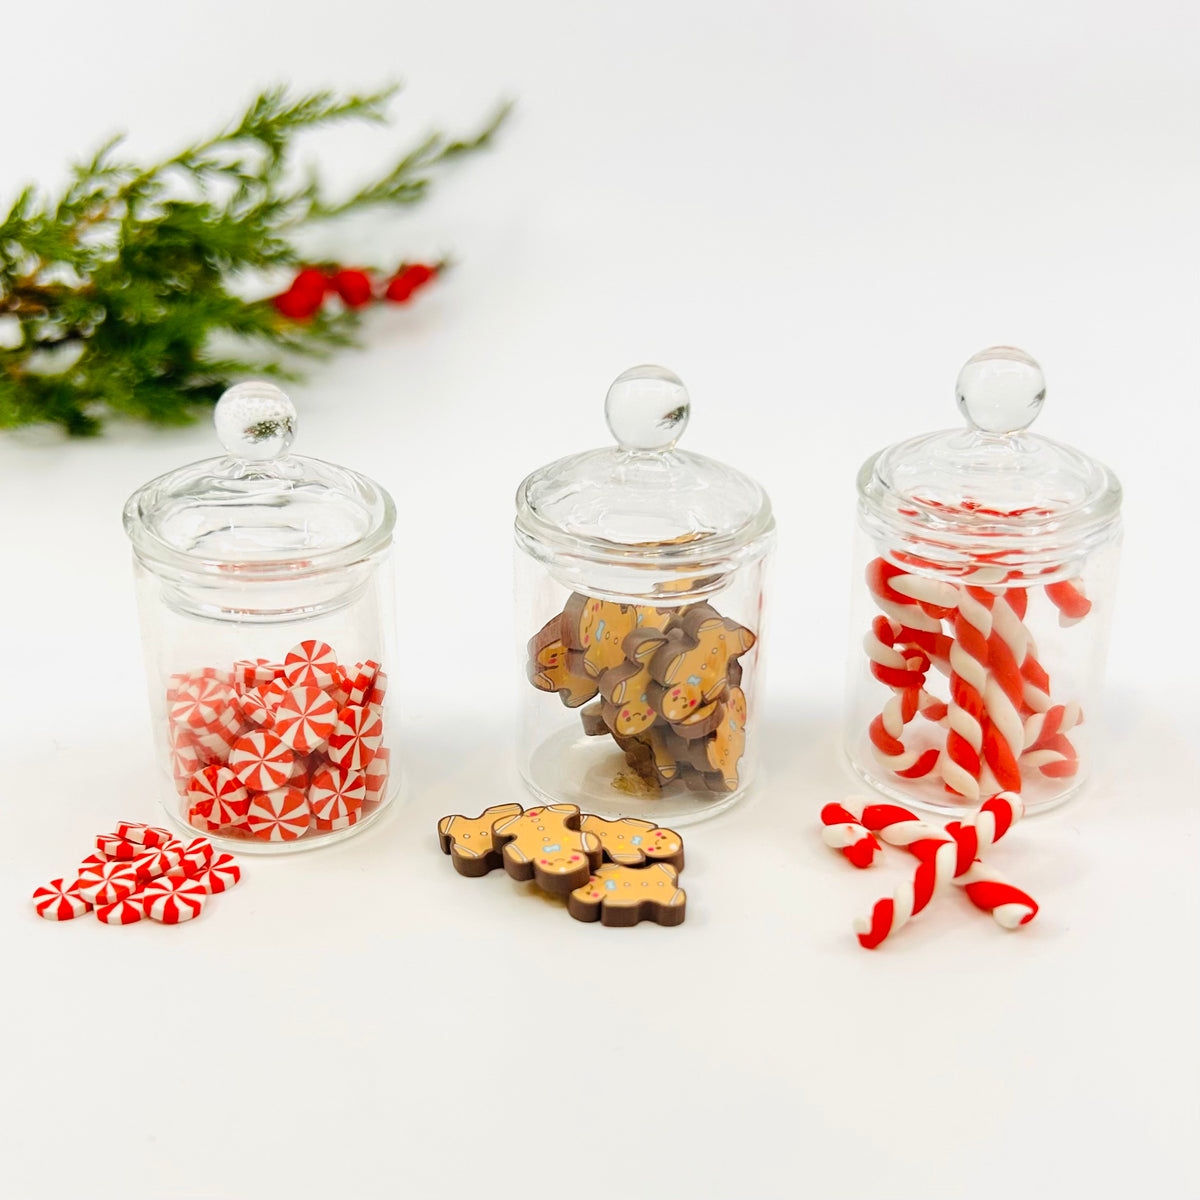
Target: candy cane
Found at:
x=944, y=856
x=1049, y=750
x=899, y=607
x=968, y=681
x=843, y=831
x=985, y=887
x=1070, y=599
x=906, y=676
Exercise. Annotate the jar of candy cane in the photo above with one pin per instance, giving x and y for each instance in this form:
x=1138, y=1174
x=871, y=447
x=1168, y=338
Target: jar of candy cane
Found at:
x=265, y=599
x=639, y=604
x=986, y=564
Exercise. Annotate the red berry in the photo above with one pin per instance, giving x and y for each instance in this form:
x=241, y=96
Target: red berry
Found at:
x=303, y=298
x=401, y=288
x=354, y=287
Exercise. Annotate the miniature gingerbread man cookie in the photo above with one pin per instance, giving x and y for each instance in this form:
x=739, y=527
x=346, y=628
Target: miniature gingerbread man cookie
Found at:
x=469, y=842
x=546, y=844
x=692, y=665
x=619, y=895
x=630, y=842
x=549, y=666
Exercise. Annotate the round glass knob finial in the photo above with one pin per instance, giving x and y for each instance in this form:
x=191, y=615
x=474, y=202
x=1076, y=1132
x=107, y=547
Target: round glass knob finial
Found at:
x=1000, y=390
x=647, y=408
x=255, y=421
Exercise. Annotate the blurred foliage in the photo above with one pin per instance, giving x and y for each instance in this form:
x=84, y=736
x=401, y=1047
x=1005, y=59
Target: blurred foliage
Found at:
x=115, y=295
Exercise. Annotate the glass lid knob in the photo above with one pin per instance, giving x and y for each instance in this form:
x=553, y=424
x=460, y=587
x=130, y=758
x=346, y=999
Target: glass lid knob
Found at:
x=255, y=421
x=647, y=408
x=1000, y=390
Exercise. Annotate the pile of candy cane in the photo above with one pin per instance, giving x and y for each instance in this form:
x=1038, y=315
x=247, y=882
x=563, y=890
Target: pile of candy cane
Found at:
x=949, y=855
x=1000, y=719
x=140, y=871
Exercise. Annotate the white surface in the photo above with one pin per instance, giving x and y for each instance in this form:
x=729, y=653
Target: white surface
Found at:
x=814, y=213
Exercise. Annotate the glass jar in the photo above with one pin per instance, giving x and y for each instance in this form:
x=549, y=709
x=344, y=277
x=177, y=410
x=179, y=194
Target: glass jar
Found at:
x=639, y=606
x=985, y=568
x=265, y=601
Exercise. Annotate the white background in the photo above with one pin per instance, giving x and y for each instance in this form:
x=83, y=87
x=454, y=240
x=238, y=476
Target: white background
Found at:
x=814, y=213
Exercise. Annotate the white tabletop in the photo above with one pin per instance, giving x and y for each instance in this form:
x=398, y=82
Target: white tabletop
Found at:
x=813, y=213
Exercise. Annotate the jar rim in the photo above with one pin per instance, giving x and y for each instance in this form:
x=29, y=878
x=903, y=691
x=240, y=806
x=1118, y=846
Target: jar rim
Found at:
x=959, y=539
x=154, y=549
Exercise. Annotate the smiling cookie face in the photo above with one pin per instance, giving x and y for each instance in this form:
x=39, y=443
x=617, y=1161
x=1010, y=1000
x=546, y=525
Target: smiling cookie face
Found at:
x=693, y=663
x=628, y=688
x=545, y=843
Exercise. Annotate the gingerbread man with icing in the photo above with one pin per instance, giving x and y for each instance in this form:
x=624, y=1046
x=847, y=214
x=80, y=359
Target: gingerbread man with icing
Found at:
x=622, y=896
x=545, y=844
x=594, y=631
x=630, y=841
x=693, y=664
x=549, y=666
x=627, y=687
x=469, y=841
x=724, y=749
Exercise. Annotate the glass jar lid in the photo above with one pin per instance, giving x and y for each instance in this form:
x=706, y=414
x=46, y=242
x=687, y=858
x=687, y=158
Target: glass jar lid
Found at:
x=258, y=509
x=993, y=491
x=643, y=501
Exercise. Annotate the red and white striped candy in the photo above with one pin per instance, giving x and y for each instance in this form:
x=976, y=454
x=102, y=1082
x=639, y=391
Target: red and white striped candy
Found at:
x=362, y=682
x=108, y=882
x=112, y=845
x=842, y=830
x=218, y=797
x=303, y=771
x=380, y=688
x=336, y=823
x=122, y=912
x=185, y=761
x=209, y=707
x=173, y=901
x=252, y=672
x=376, y=774
x=195, y=857
x=261, y=761
x=149, y=836
x=60, y=901
x=254, y=708
x=357, y=738
x=311, y=664
x=279, y=816
x=154, y=863
x=304, y=719
x=221, y=875
x=335, y=793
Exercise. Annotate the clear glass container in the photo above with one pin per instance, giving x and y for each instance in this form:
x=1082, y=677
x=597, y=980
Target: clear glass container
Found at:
x=265, y=600
x=639, y=607
x=985, y=570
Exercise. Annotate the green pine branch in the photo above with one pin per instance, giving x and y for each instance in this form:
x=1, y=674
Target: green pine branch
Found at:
x=115, y=295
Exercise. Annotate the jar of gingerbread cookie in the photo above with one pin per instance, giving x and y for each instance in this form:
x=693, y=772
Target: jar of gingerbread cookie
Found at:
x=265, y=599
x=639, y=605
x=986, y=565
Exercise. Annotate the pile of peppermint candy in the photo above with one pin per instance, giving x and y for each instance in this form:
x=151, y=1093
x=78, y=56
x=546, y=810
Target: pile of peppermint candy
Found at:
x=140, y=871
x=278, y=750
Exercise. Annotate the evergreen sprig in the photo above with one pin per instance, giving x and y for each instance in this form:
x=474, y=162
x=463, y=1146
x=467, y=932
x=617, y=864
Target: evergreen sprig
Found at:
x=121, y=286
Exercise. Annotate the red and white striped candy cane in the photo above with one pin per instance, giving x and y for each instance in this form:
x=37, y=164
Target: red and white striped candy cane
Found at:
x=1048, y=749
x=944, y=856
x=985, y=887
x=904, y=672
x=962, y=763
x=901, y=608
x=1070, y=599
x=842, y=830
